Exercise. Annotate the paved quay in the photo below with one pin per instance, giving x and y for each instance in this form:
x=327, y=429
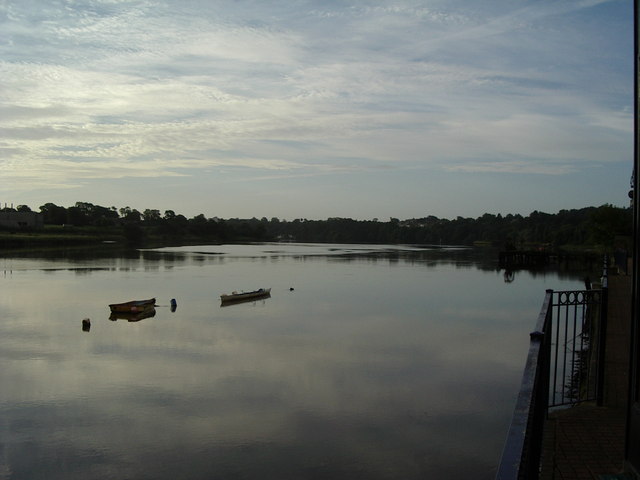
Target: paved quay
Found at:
x=587, y=441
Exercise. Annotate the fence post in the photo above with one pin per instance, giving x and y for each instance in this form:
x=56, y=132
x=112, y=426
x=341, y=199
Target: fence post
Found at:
x=548, y=334
x=602, y=333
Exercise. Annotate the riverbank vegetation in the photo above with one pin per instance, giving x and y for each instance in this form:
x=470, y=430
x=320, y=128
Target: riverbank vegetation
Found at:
x=593, y=228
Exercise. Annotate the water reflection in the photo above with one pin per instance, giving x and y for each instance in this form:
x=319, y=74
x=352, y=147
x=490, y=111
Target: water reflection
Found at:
x=133, y=316
x=230, y=303
x=509, y=276
x=399, y=365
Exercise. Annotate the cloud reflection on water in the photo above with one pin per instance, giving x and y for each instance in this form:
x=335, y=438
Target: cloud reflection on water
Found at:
x=367, y=370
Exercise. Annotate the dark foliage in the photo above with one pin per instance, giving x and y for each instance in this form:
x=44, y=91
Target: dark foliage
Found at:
x=591, y=226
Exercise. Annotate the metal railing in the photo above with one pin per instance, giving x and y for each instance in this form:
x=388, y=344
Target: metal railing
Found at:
x=522, y=451
x=577, y=345
x=565, y=366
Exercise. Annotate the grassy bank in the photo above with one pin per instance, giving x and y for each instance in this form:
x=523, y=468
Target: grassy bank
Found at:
x=57, y=237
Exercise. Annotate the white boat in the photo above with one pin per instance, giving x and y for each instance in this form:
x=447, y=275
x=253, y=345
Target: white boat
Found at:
x=242, y=296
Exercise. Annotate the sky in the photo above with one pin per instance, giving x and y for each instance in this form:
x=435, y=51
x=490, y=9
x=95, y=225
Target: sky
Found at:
x=316, y=109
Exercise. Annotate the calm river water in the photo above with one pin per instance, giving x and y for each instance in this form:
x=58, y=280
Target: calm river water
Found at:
x=381, y=363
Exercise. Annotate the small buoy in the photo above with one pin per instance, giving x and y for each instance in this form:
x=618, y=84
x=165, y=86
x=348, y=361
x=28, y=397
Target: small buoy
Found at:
x=174, y=304
x=86, y=324
x=291, y=289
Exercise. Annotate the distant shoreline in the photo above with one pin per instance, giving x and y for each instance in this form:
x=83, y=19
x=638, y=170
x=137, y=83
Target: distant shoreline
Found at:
x=596, y=229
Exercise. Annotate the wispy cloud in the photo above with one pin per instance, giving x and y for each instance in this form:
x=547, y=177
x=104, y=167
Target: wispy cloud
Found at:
x=108, y=89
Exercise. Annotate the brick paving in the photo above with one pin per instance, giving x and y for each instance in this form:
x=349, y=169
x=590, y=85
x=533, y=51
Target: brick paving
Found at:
x=587, y=441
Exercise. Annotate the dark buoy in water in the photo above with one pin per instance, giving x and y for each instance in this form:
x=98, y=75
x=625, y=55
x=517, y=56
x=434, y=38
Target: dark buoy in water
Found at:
x=291, y=289
x=86, y=324
x=174, y=304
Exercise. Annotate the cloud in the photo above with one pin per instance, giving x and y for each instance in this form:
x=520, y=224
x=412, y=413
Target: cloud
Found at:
x=517, y=166
x=113, y=89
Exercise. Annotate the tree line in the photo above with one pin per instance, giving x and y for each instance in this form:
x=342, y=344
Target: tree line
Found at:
x=590, y=226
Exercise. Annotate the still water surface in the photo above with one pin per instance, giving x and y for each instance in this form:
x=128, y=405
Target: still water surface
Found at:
x=382, y=363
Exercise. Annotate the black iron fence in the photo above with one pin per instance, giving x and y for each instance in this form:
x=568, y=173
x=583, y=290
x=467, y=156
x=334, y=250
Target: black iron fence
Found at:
x=565, y=366
x=578, y=332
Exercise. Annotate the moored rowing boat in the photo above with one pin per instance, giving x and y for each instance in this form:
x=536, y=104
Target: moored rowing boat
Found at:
x=238, y=297
x=133, y=306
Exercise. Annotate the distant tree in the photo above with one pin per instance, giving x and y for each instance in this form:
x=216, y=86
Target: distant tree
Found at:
x=53, y=214
x=130, y=214
x=588, y=226
x=77, y=215
x=172, y=224
x=608, y=221
x=23, y=208
x=151, y=216
x=101, y=216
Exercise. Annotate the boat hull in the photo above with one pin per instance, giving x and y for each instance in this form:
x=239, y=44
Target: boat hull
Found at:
x=134, y=306
x=245, y=296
